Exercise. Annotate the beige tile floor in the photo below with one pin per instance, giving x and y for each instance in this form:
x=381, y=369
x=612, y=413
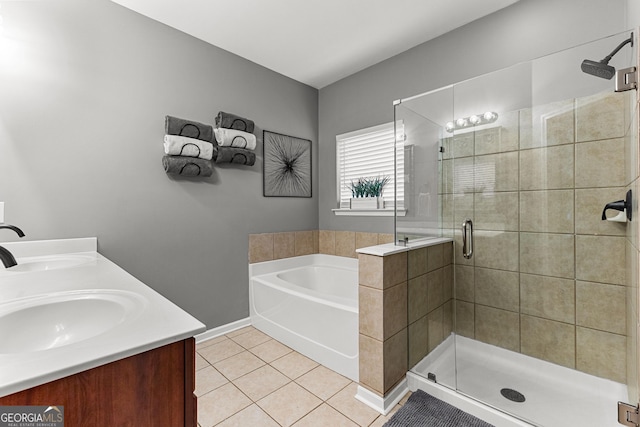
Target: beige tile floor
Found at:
x=246, y=378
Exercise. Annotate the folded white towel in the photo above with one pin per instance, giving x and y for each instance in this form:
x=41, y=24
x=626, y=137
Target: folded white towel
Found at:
x=235, y=138
x=176, y=145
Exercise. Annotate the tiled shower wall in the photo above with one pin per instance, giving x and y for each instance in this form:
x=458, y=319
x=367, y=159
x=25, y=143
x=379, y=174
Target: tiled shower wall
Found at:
x=548, y=278
x=272, y=246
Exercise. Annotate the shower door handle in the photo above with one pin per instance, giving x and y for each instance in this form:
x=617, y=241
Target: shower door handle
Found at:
x=467, y=238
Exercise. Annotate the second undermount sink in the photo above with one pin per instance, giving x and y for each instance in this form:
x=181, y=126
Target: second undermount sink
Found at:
x=50, y=321
x=43, y=263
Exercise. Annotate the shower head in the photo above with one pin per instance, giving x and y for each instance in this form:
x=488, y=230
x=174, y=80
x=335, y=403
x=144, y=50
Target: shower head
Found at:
x=602, y=68
x=598, y=69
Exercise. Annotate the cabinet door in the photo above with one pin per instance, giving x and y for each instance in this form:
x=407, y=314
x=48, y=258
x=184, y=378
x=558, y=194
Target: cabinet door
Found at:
x=152, y=388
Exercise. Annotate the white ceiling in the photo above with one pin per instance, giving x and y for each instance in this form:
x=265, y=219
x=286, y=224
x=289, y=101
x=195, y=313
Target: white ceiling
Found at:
x=316, y=42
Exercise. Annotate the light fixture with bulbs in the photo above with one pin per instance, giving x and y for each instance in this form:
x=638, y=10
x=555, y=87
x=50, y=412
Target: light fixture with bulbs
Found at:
x=474, y=120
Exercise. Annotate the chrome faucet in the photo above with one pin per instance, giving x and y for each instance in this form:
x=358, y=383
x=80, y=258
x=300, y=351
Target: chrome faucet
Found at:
x=7, y=257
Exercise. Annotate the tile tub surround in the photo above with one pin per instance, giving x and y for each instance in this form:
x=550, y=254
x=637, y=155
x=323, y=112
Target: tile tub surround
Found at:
x=405, y=309
x=278, y=387
x=273, y=246
x=548, y=278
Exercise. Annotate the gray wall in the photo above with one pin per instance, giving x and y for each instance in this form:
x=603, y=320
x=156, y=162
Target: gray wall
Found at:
x=84, y=88
x=524, y=31
x=633, y=13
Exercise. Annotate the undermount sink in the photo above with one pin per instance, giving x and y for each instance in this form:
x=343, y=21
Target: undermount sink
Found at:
x=50, y=321
x=43, y=263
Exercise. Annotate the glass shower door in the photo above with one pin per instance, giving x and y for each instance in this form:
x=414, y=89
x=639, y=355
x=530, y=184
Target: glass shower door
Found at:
x=486, y=190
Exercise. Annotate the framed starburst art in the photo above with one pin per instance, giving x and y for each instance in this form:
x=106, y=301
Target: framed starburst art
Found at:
x=287, y=166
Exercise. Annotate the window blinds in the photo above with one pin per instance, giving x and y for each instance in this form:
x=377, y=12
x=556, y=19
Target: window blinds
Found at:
x=368, y=153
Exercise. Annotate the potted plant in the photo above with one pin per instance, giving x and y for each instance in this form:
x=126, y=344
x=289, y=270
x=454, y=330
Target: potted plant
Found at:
x=367, y=193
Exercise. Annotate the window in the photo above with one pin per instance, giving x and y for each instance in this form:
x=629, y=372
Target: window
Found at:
x=369, y=153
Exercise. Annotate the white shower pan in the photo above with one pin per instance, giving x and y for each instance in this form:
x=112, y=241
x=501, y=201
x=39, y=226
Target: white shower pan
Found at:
x=555, y=396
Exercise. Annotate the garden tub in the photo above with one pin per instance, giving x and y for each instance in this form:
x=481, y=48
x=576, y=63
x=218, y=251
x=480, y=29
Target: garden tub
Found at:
x=310, y=303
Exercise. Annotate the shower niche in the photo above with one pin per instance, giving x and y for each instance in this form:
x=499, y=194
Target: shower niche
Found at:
x=541, y=319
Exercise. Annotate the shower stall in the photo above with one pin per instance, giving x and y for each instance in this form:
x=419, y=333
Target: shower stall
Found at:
x=516, y=167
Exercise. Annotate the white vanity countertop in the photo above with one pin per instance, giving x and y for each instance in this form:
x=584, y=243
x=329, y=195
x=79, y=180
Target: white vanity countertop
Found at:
x=151, y=322
x=391, y=248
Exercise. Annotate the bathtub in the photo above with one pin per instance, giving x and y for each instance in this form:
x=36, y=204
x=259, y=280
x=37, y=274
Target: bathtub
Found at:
x=309, y=303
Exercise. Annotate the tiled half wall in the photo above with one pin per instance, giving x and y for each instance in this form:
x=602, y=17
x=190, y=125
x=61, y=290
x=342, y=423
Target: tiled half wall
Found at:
x=406, y=310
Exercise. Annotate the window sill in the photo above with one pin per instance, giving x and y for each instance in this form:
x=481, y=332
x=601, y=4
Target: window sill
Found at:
x=368, y=212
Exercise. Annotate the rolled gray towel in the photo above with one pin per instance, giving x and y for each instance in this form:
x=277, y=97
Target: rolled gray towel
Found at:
x=187, y=166
x=239, y=156
x=188, y=128
x=231, y=121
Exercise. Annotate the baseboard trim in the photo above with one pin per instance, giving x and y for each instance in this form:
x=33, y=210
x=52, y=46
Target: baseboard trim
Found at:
x=221, y=330
x=383, y=404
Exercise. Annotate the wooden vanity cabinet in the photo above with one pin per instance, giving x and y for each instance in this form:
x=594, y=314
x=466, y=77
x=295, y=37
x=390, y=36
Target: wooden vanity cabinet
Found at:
x=154, y=388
